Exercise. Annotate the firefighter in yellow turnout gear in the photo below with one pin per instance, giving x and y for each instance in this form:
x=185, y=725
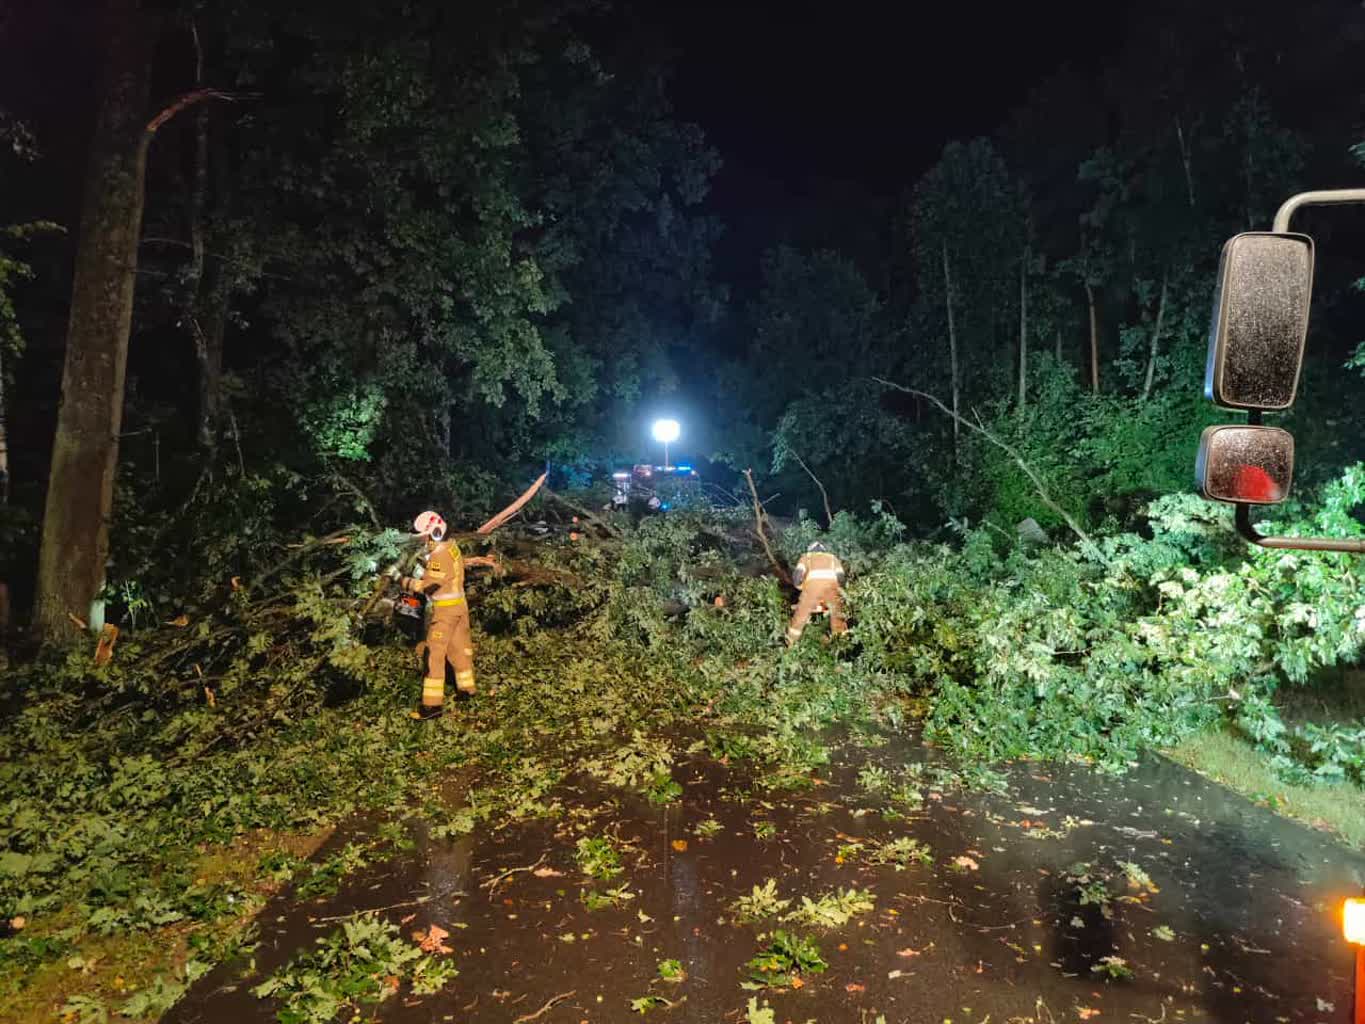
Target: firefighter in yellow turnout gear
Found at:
x=819, y=576
x=442, y=582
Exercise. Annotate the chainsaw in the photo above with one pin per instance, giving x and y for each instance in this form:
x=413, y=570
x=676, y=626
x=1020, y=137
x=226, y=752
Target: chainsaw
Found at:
x=409, y=606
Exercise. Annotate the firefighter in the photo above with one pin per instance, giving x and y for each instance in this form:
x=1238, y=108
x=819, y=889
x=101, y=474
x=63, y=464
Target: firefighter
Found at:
x=442, y=582
x=819, y=576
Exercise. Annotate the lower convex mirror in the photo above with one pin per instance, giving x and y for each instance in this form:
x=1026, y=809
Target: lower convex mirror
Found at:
x=1253, y=465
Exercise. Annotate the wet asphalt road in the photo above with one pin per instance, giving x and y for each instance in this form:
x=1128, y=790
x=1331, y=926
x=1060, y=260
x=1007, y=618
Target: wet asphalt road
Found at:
x=1234, y=922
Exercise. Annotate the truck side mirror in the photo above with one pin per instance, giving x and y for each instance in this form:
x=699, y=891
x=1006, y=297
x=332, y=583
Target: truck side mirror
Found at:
x=1247, y=464
x=1260, y=320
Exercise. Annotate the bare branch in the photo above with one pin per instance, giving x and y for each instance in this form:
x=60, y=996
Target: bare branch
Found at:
x=1087, y=543
x=526, y=1018
x=760, y=517
x=366, y=505
x=183, y=102
x=829, y=516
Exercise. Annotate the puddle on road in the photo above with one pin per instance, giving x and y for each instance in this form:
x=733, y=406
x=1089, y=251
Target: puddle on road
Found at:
x=1228, y=917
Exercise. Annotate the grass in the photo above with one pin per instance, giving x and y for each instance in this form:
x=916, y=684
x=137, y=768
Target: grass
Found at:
x=1236, y=764
x=115, y=968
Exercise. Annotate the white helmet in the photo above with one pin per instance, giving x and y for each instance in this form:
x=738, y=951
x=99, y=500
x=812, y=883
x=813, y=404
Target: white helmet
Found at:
x=430, y=524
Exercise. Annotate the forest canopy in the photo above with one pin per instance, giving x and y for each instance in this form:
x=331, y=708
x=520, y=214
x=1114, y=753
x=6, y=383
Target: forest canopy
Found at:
x=371, y=259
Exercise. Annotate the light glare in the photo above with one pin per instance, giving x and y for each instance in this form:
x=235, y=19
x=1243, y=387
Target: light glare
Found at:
x=666, y=431
x=1353, y=921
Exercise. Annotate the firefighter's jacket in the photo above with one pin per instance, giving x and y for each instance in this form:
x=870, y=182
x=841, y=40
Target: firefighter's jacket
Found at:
x=818, y=570
x=443, y=579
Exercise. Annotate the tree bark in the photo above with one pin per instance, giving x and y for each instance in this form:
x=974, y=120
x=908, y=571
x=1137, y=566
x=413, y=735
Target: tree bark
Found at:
x=1156, y=337
x=1023, y=330
x=1094, y=340
x=75, y=542
x=4, y=497
x=80, y=490
x=207, y=287
x=952, y=348
x=4, y=438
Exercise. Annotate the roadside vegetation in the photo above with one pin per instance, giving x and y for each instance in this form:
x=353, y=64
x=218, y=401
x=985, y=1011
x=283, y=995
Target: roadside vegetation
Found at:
x=271, y=713
x=415, y=255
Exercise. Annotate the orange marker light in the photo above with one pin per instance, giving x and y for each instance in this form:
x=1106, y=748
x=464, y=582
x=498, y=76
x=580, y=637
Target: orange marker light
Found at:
x=1353, y=921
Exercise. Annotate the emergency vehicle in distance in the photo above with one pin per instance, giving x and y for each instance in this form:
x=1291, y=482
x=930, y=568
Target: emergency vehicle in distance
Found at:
x=657, y=488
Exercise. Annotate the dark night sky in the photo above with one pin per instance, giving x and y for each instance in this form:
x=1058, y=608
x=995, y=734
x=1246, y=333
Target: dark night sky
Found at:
x=826, y=104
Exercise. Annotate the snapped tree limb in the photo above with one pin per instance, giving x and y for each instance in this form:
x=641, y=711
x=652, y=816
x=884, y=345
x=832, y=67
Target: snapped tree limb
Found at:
x=760, y=519
x=1087, y=542
x=829, y=516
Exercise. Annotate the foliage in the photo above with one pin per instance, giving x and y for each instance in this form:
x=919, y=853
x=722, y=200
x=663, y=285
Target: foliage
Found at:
x=763, y=902
x=786, y=957
x=1112, y=968
x=901, y=852
x=358, y=965
x=594, y=900
x=833, y=909
x=598, y=858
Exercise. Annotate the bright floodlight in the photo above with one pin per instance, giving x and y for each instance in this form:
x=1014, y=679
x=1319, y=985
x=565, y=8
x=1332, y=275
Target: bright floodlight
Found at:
x=666, y=432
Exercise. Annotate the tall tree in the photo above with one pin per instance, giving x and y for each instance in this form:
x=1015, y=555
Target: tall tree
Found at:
x=967, y=224
x=18, y=140
x=1024, y=261
x=75, y=542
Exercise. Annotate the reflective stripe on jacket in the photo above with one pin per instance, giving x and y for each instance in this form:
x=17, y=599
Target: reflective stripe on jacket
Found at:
x=443, y=579
x=818, y=565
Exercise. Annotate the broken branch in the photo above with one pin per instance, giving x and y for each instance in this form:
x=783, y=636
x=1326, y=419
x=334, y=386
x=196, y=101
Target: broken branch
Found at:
x=760, y=517
x=1087, y=543
x=546, y=1008
x=189, y=99
x=493, y=884
x=829, y=516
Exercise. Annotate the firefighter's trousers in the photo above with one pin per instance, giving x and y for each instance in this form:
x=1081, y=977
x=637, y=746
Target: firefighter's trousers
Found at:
x=817, y=594
x=448, y=641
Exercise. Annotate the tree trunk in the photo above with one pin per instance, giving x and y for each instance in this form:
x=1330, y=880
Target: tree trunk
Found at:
x=1057, y=343
x=952, y=346
x=1094, y=340
x=1023, y=330
x=4, y=439
x=209, y=326
x=209, y=280
x=75, y=542
x=4, y=497
x=443, y=430
x=1156, y=337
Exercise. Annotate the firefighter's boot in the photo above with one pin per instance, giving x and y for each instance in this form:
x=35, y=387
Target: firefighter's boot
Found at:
x=426, y=712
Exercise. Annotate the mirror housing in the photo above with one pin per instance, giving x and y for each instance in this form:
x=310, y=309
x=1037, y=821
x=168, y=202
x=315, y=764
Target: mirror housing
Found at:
x=1260, y=320
x=1247, y=465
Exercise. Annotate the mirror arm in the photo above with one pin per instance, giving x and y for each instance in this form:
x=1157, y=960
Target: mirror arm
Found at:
x=1329, y=197
x=1249, y=531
